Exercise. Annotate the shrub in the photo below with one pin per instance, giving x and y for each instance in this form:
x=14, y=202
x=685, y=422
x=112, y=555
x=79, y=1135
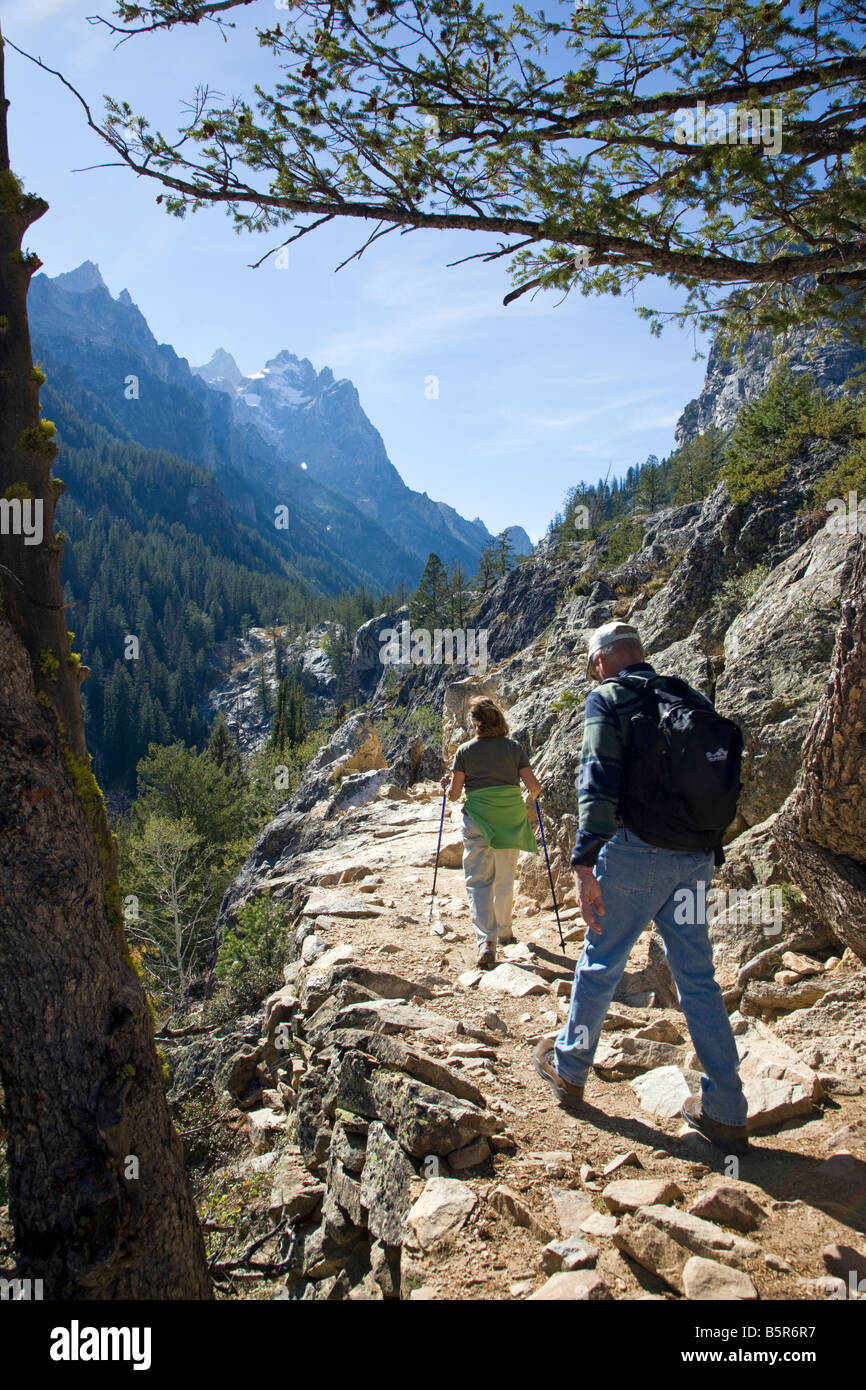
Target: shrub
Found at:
x=48, y=663
x=39, y=439
x=770, y=431
x=207, y=1141
x=582, y=586
x=568, y=700
x=848, y=475
x=623, y=540
x=426, y=722
x=740, y=587
x=251, y=957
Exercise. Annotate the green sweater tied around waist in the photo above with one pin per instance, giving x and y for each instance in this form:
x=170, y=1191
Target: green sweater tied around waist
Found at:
x=500, y=814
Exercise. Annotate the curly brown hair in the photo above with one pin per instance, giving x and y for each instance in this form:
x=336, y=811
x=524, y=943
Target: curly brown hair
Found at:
x=488, y=718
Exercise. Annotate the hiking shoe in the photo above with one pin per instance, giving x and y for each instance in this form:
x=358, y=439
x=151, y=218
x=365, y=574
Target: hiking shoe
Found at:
x=486, y=957
x=506, y=938
x=545, y=1066
x=731, y=1139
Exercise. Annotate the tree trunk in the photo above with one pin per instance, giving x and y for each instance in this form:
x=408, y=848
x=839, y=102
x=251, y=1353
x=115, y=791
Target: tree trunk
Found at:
x=821, y=829
x=97, y=1191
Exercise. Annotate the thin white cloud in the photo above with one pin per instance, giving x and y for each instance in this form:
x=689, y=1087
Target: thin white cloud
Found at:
x=28, y=13
x=423, y=332
x=531, y=423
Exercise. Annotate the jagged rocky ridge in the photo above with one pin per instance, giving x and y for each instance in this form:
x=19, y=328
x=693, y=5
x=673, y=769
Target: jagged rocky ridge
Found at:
x=307, y=415
x=741, y=375
x=289, y=436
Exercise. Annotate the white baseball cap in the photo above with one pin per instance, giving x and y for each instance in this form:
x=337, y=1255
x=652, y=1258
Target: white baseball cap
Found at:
x=605, y=636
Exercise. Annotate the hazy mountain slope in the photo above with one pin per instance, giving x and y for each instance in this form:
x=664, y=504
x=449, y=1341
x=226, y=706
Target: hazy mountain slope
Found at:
x=153, y=552
x=308, y=416
x=145, y=392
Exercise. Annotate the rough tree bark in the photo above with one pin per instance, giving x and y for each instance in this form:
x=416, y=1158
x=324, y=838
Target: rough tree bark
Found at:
x=821, y=829
x=97, y=1191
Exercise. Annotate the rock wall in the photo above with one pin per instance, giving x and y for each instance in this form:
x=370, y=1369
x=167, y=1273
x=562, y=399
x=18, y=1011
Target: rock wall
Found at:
x=733, y=380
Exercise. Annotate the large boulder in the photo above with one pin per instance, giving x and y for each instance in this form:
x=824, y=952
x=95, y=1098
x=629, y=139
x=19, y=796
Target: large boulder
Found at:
x=367, y=670
x=386, y=1185
x=358, y=789
x=456, y=725
x=209, y=1059
x=777, y=658
x=426, y=1120
x=354, y=747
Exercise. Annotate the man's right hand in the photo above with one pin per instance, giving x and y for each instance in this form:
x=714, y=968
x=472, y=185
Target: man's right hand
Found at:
x=589, y=898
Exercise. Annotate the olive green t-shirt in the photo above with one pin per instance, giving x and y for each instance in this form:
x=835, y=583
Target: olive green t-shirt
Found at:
x=490, y=762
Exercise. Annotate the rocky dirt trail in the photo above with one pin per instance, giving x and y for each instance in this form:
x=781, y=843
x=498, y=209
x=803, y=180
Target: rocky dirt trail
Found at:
x=413, y=1151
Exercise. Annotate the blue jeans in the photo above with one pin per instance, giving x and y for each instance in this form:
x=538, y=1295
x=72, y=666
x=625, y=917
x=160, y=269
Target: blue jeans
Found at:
x=638, y=883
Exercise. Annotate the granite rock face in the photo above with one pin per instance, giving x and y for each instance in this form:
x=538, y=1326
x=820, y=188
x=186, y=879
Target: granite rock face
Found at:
x=777, y=657
x=734, y=379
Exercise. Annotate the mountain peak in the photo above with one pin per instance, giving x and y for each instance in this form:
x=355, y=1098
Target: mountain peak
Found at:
x=222, y=370
x=82, y=280
x=287, y=363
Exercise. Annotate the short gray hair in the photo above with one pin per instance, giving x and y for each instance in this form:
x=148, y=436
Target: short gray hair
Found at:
x=623, y=645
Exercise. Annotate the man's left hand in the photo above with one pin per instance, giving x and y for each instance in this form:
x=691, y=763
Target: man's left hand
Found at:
x=589, y=898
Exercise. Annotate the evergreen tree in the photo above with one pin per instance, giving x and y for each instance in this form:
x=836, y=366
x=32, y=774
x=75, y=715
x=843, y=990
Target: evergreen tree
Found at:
x=695, y=467
x=222, y=748
x=279, y=654
x=486, y=568
x=503, y=549
x=262, y=698
x=609, y=161
x=338, y=649
x=280, y=727
x=82, y=1089
x=649, y=489
x=428, y=606
x=290, y=720
x=457, y=595
x=297, y=722
x=183, y=784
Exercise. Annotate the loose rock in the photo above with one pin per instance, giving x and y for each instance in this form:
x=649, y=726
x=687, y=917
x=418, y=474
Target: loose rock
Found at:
x=439, y=1213
x=585, y=1285
x=662, y=1091
x=570, y=1253
x=731, y=1206
x=706, y=1280
x=512, y=979
x=504, y=1200
x=631, y=1193
x=572, y=1208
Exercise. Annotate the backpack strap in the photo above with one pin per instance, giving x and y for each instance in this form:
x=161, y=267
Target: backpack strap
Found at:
x=640, y=684
x=643, y=685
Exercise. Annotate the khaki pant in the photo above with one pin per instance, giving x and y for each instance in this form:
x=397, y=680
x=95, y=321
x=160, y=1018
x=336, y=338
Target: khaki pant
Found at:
x=489, y=884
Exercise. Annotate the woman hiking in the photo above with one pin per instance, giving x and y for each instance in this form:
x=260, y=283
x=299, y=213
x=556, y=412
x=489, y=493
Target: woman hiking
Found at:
x=495, y=826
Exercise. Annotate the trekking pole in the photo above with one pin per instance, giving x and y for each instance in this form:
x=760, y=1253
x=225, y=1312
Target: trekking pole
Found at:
x=438, y=846
x=549, y=875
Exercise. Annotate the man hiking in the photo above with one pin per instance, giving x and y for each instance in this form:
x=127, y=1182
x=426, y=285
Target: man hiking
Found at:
x=656, y=758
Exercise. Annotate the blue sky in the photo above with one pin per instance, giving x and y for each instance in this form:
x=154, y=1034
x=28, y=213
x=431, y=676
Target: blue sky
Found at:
x=532, y=398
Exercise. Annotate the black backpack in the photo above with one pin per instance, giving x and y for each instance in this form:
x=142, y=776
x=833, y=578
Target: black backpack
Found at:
x=681, y=776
